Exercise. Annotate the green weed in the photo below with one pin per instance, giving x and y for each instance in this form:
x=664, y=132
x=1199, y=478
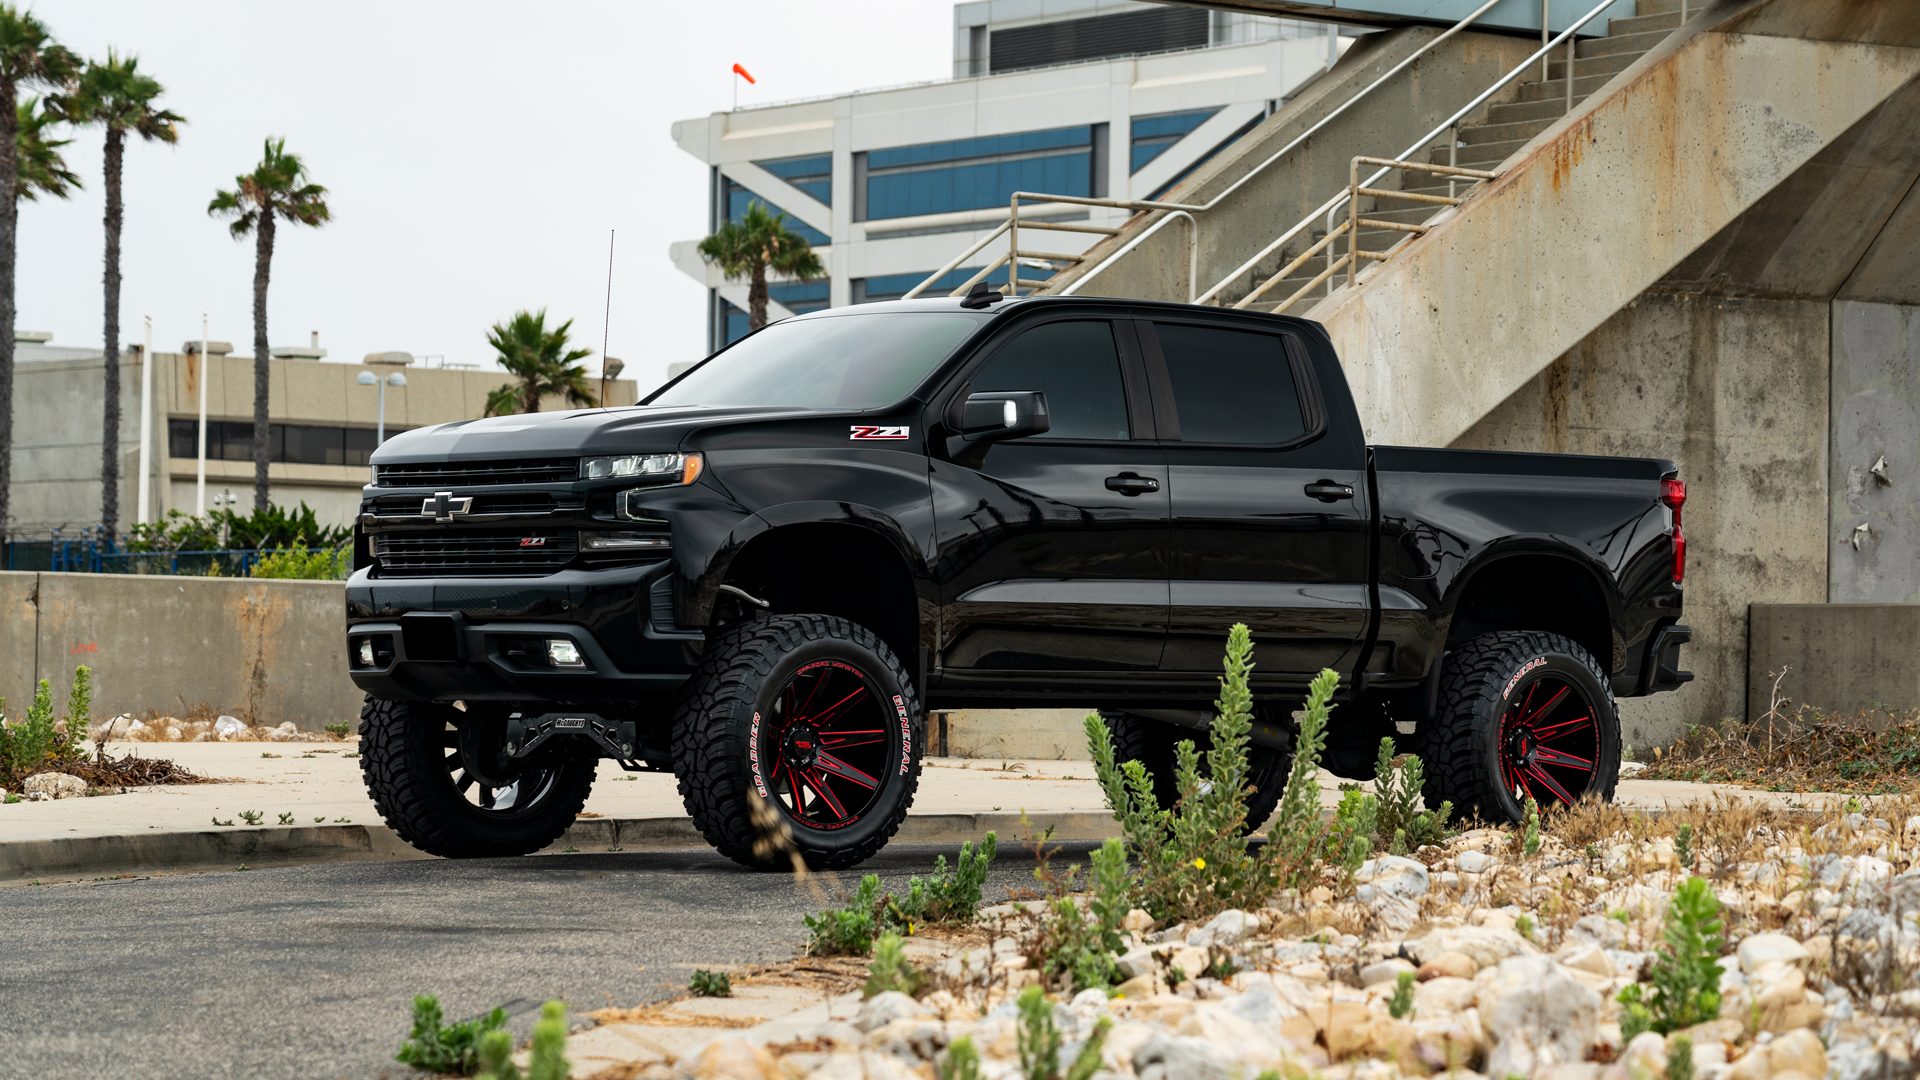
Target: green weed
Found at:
x=890, y=969
x=1685, y=971
x=438, y=1047
x=710, y=984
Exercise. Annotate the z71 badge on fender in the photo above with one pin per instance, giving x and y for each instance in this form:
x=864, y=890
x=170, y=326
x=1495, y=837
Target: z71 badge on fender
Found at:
x=867, y=432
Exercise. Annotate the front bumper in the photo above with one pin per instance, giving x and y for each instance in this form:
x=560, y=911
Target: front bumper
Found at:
x=485, y=638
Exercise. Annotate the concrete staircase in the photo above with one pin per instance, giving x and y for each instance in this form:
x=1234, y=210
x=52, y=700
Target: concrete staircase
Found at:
x=1531, y=105
x=1591, y=208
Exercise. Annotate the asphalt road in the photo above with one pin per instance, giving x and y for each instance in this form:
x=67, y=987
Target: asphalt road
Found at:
x=309, y=972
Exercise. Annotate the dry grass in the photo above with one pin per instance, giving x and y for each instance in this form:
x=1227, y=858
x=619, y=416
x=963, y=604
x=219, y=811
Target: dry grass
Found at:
x=1801, y=748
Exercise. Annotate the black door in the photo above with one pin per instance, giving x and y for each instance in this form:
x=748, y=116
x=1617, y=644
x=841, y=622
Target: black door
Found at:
x=1269, y=513
x=1054, y=547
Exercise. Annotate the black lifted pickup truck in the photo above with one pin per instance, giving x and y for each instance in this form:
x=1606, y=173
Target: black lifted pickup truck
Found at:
x=765, y=575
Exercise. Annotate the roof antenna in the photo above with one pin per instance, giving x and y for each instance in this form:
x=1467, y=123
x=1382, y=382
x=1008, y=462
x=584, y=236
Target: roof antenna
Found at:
x=980, y=296
x=606, y=323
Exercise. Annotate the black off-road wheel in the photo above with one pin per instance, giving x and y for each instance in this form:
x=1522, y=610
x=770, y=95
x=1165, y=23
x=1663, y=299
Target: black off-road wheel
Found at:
x=813, y=719
x=1523, y=714
x=1151, y=743
x=439, y=778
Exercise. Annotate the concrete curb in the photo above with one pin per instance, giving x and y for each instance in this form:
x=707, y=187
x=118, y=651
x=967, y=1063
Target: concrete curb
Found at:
x=225, y=849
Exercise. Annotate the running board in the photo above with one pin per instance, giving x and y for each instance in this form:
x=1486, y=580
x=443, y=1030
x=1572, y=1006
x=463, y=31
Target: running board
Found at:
x=1262, y=733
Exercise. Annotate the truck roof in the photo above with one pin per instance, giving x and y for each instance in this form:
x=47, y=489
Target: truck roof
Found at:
x=998, y=307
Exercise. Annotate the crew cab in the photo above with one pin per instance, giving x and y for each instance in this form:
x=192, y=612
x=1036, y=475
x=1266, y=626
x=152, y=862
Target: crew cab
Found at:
x=765, y=575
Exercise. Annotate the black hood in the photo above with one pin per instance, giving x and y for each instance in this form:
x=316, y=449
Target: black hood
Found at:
x=580, y=432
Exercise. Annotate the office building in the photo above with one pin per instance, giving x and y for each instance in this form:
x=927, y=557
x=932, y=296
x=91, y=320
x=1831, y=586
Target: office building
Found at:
x=1105, y=98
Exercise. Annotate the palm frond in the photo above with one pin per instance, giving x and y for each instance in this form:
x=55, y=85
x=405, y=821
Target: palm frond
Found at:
x=761, y=240
x=42, y=169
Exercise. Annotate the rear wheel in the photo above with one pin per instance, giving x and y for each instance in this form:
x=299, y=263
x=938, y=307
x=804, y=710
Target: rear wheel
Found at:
x=1151, y=743
x=813, y=718
x=441, y=779
x=1523, y=714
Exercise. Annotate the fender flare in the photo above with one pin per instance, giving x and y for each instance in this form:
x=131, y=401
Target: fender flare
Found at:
x=813, y=513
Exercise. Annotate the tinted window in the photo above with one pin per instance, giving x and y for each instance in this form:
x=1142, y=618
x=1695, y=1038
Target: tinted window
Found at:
x=1231, y=386
x=852, y=361
x=1076, y=365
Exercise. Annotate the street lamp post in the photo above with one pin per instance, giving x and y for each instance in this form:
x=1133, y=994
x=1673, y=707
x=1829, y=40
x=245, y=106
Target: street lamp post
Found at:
x=398, y=380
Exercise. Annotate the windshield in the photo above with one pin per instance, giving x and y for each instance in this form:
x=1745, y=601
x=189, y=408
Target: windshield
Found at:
x=852, y=361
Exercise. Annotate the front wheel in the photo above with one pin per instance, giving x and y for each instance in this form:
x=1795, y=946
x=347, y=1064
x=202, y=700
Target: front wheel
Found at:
x=811, y=717
x=440, y=779
x=1523, y=715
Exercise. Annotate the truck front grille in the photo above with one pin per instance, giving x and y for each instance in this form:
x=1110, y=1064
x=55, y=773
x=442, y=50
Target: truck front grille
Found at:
x=474, y=473
x=475, y=553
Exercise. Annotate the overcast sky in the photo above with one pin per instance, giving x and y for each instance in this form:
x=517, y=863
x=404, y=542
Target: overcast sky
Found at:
x=476, y=154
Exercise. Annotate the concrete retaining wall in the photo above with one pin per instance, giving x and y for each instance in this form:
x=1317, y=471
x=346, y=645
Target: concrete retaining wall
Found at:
x=1876, y=417
x=265, y=651
x=1735, y=391
x=1839, y=658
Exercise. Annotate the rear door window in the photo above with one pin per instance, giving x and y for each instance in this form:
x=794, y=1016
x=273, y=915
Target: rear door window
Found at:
x=1231, y=386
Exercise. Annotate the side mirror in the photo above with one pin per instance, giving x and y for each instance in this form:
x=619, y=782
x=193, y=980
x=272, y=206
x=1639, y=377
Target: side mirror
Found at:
x=1004, y=415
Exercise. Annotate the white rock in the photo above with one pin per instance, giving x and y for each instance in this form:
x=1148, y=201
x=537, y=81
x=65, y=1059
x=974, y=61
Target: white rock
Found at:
x=885, y=1008
x=1646, y=1055
x=1799, y=1050
x=1089, y=999
x=1537, y=1016
x=1137, y=962
x=912, y=1039
x=1860, y=1059
x=1392, y=876
x=1475, y=862
x=1631, y=769
x=1759, y=950
x=1227, y=928
x=228, y=727
x=1182, y=1057
x=1591, y=959
x=1384, y=971
x=52, y=785
x=1485, y=945
x=284, y=732
x=1439, y=997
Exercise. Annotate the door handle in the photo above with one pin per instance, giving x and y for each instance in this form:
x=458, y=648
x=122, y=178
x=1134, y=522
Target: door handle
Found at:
x=1329, y=490
x=1132, y=484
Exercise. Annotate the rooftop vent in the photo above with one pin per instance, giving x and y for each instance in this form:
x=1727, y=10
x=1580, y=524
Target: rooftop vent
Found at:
x=394, y=358
x=33, y=337
x=214, y=348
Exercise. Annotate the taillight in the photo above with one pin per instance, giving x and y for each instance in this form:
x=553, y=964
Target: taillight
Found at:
x=1673, y=492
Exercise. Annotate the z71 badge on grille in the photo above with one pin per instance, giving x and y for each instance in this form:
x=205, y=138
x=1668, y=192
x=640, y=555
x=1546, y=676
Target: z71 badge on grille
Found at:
x=867, y=432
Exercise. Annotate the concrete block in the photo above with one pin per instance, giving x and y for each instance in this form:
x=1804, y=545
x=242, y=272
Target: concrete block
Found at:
x=1839, y=658
x=1032, y=734
x=265, y=651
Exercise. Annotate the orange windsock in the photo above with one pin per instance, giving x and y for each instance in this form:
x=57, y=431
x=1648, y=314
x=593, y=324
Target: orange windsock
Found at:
x=745, y=74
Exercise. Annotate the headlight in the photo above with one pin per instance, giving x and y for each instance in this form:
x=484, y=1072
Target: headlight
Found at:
x=659, y=468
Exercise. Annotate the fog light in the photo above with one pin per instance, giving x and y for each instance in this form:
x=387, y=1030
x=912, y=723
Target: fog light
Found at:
x=562, y=652
x=365, y=652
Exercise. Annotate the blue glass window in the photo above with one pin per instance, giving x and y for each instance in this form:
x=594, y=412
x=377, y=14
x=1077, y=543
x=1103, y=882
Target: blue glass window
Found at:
x=1153, y=134
x=812, y=174
x=798, y=297
x=894, y=286
x=971, y=174
x=738, y=197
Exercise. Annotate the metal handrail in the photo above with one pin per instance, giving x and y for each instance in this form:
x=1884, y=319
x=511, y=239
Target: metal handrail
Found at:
x=1399, y=160
x=1192, y=208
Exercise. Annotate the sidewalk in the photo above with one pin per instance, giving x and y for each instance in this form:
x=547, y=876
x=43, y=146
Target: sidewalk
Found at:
x=318, y=786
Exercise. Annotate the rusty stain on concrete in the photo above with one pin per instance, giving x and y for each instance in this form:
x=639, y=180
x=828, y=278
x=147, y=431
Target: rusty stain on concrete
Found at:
x=259, y=613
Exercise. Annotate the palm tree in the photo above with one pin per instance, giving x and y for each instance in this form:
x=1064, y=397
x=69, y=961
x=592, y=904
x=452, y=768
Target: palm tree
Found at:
x=277, y=188
x=760, y=241
x=42, y=170
x=29, y=57
x=119, y=97
x=540, y=362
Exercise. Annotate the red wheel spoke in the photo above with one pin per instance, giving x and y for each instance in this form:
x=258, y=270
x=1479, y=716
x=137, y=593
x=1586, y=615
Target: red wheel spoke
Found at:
x=818, y=782
x=1545, y=756
x=1552, y=785
x=1563, y=728
x=840, y=742
x=1527, y=719
x=826, y=714
x=833, y=766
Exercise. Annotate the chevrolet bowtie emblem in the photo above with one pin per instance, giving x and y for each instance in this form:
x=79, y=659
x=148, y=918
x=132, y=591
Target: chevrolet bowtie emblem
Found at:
x=445, y=506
